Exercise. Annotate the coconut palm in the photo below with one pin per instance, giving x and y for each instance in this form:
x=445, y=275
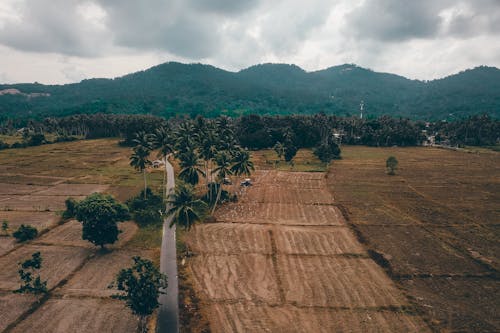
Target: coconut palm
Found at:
x=242, y=163
x=139, y=160
x=190, y=167
x=185, y=209
x=223, y=169
x=164, y=142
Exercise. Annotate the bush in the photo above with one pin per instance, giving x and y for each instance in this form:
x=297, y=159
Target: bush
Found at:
x=70, y=208
x=25, y=232
x=146, y=211
x=145, y=217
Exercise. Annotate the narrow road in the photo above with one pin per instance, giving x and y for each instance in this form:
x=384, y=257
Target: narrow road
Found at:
x=168, y=317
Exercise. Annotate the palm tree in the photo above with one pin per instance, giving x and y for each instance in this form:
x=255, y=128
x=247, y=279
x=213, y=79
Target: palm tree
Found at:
x=223, y=161
x=190, y=167
x=185, y=209
x=143, y=139
x=139, y=160
x=163, y=141
x=242, y=163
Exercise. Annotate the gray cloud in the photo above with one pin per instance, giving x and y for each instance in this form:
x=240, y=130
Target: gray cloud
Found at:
x=408, y=37
x=473, y=18
x=52, y=26
x=395, y=20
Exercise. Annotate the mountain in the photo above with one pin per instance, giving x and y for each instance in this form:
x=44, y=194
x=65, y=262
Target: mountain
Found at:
x=174, y=89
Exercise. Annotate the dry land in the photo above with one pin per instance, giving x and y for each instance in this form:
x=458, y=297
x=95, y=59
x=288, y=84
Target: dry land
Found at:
x=434, y=226
x=34, y=183
x=283, y=259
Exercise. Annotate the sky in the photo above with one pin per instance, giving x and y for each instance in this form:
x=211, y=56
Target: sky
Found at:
x=64, y=41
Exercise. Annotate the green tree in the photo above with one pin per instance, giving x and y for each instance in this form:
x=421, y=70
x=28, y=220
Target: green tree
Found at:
x=186, y=209
x=391, y=164
x=164, y=142
x=99, y=214
x=223, y=169
x=139, y=160
x=142, y=284
x=30, y=278
x=190, y=167
x=25, y=232
x=279, y=148
x=242, y=163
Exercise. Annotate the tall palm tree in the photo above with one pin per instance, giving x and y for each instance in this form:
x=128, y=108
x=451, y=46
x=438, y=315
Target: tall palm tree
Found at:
x=242, y=163
x=185, y=209
x=190, y=167
x=139, y=160
x=164, y=142
x=223, y=169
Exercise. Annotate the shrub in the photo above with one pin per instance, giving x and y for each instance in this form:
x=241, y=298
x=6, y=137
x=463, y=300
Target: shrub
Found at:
x=70, y=208
x=147, y=216
x=25, y=232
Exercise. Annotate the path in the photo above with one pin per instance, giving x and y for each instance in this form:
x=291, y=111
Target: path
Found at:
x=168, y=317
x=283, y=259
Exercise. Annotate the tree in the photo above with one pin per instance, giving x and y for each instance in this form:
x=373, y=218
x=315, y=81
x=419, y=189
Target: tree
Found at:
x=223, y=169
x=242, y=163
x=327, y=152
x=29, y=282
x=25, y=232
x=185, y=209
x=164, y=142
x=391, y=164
x=190, y=167
x=142, y=284
x=99, y=214
x=139, y=160
x=5, y=227
x=290, y=152
x=279, y=148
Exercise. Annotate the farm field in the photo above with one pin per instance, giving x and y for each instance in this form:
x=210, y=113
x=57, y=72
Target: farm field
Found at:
x=434, y=226
x=34, y=183
x=282, y=260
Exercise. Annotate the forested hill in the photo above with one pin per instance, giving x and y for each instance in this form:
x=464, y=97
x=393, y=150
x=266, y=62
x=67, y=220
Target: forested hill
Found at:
x=174, y=88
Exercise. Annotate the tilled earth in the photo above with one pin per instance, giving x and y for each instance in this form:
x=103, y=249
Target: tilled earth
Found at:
x=283, y=259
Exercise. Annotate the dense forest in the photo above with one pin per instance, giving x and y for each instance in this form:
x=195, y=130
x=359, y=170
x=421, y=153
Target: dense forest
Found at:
x=257, y=132
x=174, y=89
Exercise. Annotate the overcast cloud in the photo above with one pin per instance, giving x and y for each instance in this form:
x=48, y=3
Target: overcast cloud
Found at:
x=60, y=41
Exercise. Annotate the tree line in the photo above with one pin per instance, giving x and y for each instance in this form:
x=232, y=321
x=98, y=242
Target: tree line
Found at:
x=257, y=132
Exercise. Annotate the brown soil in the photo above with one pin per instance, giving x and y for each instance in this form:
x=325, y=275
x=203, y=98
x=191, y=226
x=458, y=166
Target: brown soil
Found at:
x=58, y=263
x=93, y=280
x=79, y=315
x=39, y=220
x=70, y=234
x=284, y=260
x=434, y=226
x=12, y=306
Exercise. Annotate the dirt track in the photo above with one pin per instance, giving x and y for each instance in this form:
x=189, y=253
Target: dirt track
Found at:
x=283, y=260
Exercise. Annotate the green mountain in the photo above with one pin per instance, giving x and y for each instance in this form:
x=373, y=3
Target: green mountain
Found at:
x=175, y=89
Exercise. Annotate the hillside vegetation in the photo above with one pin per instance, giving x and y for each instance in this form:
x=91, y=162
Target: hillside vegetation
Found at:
x=173, y=88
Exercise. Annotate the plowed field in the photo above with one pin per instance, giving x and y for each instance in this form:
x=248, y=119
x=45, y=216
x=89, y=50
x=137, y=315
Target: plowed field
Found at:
x=34, y=183
x=282, y=259
x=434, y=226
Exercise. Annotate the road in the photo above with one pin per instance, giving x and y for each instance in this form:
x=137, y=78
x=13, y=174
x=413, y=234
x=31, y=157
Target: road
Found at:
x=168, y=317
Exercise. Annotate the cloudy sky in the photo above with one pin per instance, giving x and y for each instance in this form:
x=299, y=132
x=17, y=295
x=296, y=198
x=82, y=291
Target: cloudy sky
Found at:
x=61, y=41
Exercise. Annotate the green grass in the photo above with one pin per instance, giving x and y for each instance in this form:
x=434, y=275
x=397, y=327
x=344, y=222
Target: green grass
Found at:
x=304, y=161
x=148, y=237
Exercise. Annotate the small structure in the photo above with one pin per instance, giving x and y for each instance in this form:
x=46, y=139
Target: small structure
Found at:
x=157, y=163
x=246, y=182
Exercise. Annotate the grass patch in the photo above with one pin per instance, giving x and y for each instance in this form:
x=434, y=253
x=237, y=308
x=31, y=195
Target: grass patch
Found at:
x=304, y=161
x=148, y=237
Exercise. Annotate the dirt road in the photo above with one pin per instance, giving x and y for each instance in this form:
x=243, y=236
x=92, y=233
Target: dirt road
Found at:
x=282, y=259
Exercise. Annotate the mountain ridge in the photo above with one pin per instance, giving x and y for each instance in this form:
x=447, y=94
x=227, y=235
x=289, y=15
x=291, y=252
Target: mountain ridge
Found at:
x=175, y=88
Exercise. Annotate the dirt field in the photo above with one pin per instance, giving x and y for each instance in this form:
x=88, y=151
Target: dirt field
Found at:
x=282, y=259
x=34, y=183
x=434, y=226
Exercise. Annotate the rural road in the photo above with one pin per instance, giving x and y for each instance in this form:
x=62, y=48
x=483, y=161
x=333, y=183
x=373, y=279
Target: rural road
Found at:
x=168, y=317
